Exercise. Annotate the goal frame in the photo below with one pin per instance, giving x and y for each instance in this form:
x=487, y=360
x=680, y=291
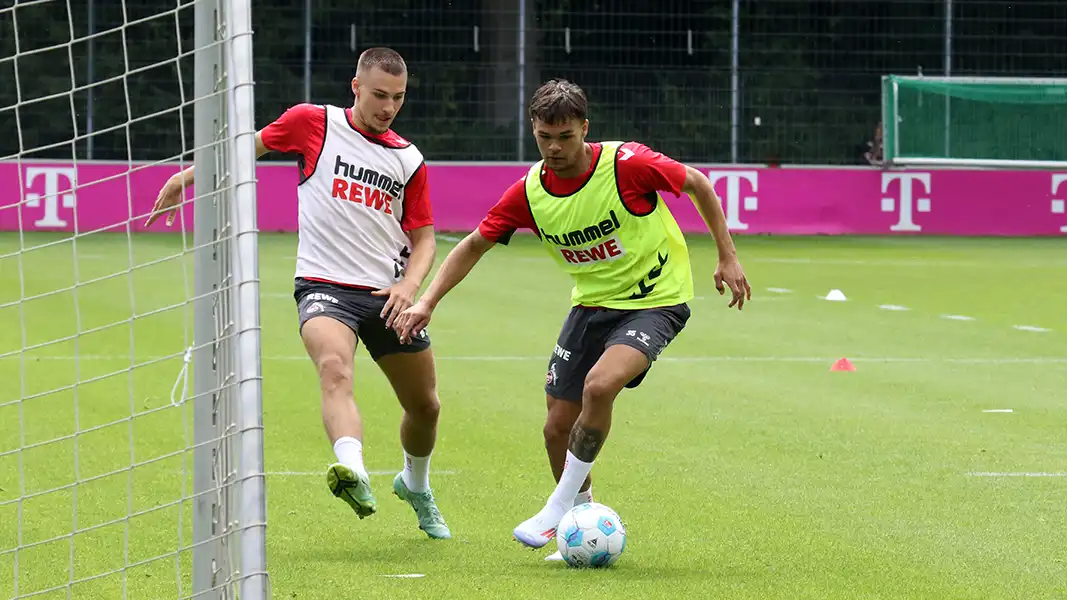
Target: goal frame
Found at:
x=891, y=139
x=229, y=488
x=67, y=451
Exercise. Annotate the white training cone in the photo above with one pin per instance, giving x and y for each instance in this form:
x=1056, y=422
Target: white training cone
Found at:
x=835, y=296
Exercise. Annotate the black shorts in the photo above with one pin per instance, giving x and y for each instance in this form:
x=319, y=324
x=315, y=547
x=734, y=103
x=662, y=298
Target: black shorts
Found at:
x=358, y=309
x=587, y=332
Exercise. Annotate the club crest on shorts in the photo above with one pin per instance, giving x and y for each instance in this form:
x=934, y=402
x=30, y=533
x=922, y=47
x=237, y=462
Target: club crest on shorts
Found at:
x=314, y=307
x=551, y=376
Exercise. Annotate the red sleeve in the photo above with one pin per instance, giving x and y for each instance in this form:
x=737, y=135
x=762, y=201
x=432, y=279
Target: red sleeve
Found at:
x=642, y=171
x=511, y=213
x=417, y=209
x=300, y=130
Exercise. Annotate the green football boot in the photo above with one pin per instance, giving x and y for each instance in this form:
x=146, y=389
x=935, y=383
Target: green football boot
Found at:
x=353, y=488
x=430, y=519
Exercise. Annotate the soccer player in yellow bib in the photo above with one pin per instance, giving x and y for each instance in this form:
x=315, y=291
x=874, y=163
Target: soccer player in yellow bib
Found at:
x=598, y=214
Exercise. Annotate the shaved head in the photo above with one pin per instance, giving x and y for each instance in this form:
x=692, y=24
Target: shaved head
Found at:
x=386, y=59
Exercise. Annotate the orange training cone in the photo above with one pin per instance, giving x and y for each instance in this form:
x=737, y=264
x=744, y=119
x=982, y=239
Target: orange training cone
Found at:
x=843, y=365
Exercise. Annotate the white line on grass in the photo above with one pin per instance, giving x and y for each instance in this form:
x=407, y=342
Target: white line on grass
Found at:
x=772, y=359
x=1024, y=474
x=978, y=360
x=998, y=410
x=371, y=473
x=776, y=290
x=289, y=296
x=1030, y=328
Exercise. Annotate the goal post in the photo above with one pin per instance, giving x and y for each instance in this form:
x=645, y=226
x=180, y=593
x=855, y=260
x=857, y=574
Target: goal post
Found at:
x=227, y=383
x=995, y=122
x=246, y=401
x=131, y=429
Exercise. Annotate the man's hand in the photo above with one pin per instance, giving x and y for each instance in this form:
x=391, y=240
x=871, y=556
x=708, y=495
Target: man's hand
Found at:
x=412, y=321
x=457, y=264
x=170, y=196
x=401, y=297
x=729, y=271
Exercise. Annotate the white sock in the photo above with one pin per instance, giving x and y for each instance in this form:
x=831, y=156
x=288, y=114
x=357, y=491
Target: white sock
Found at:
x=416, y=473
x=574, y=474
x=349, y=453
x=584, y=497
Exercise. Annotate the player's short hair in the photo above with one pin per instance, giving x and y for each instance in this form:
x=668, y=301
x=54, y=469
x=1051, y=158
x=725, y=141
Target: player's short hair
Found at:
x=558, y=101
x=386, y=59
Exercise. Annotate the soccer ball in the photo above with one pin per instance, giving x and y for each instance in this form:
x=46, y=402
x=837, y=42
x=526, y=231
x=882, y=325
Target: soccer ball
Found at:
x=591, y=535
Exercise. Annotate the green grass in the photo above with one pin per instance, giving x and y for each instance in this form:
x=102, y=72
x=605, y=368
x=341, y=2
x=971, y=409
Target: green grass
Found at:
x=742, y=467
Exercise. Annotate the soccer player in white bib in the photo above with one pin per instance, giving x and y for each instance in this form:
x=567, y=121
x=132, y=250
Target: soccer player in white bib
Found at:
x=366, y=242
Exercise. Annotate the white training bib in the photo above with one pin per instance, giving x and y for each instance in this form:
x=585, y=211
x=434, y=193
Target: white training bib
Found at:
x=351, y=207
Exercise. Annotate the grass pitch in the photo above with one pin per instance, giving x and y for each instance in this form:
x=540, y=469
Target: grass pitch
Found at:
x=742, y=467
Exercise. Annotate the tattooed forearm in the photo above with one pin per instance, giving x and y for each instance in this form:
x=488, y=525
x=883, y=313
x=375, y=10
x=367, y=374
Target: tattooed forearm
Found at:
x=585, y=442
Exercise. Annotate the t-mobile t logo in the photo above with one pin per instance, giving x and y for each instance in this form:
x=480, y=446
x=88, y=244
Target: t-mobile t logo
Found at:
x=906, y=205
x=1058, y=204
x=735, y=203
x=51, y=197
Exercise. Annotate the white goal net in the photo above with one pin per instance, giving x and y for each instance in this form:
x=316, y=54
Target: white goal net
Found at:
x=131, y=438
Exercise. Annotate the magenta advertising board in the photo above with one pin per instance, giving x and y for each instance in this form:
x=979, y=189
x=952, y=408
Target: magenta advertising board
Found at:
x=88, y=196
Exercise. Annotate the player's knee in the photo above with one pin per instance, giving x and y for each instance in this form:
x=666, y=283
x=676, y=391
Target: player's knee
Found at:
x=425, y=408
x=557, y=431
x=334, y=373
x=600, y=389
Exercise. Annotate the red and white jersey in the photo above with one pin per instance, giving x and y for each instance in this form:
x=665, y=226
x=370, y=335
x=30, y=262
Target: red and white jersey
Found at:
x=359, y=194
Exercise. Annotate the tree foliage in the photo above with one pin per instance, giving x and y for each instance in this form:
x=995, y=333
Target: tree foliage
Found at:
x=658, y=71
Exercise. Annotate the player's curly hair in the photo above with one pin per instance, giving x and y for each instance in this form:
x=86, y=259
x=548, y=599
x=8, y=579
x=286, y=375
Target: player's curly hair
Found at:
x=558, y=101
x=386, y=59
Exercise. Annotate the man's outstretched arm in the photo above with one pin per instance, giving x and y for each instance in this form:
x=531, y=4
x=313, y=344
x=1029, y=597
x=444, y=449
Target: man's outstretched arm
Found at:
x=708, y=204
x=170, y=196
x=295, y=131
x=454, y=269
